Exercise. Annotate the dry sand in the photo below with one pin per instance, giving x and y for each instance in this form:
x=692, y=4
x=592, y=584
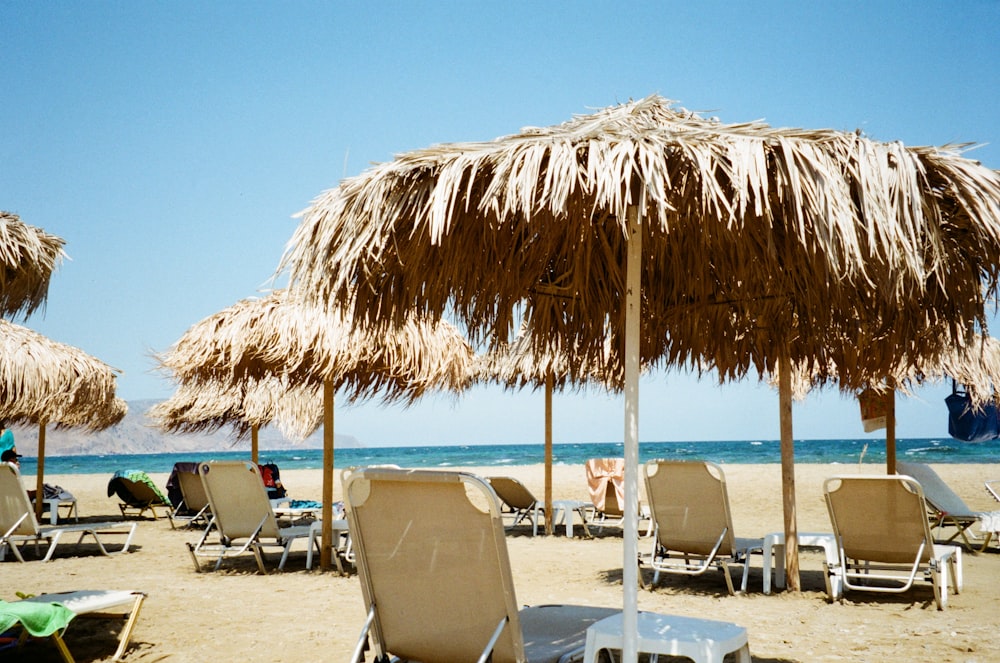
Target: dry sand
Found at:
x=298, y=615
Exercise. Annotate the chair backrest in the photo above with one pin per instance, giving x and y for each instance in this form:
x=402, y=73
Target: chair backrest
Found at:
x=14, y=503
x=937, y=493
x=174, y=493
x=512, y=492
x=879, y=518
x=606, y=483
x=238, y=499
x=690, y=505
x=432, y=559
x=192, y=491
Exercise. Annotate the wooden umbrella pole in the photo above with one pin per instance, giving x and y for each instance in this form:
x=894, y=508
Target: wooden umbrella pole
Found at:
x=254, y=440
x=630, y=556
x=40, y=475
x=788, y=473
x=549, y=380
x=326, y=545
x=890, y=429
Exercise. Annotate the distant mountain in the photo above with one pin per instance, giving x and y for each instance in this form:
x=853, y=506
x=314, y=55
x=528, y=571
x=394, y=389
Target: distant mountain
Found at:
x=136, y=434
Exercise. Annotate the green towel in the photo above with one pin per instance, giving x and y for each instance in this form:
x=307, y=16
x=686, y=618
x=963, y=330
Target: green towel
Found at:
x=38, y=619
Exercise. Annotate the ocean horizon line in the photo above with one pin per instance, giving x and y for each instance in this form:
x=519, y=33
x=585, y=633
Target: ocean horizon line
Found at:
x=809, y=451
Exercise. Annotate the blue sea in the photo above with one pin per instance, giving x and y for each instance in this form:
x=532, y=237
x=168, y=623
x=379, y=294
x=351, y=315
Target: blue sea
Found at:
x=868, y=451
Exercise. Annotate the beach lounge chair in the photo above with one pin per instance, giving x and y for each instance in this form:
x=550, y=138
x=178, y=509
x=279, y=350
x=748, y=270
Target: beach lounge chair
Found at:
x=884, y=537
x=693, y=525
x=945, y=507
x=138, y=494
x=435, y=575
x=606, y=484
x=187, y=493
x=993, y=488
x=518, y=501
x=242, y=516
x=49, y=615
x=18, y=525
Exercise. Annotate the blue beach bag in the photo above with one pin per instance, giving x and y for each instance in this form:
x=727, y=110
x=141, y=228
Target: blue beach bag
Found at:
x=969, y=424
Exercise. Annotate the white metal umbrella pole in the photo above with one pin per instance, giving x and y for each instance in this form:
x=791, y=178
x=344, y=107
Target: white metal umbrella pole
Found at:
x=549, y=379
x=630, y=558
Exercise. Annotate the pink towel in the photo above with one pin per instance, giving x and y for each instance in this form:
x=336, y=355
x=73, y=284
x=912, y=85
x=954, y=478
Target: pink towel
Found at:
x=600, y=472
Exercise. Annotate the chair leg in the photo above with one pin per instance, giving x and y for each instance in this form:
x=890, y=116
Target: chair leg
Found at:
x=61, y=646
x=126, y=634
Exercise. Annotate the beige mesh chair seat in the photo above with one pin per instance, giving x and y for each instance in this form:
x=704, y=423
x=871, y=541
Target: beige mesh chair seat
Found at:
x=520, y=502
x=19, y=527
x=693, y=526
x=884, y=537
x=242, y=517
x=435, y=575
x=100, y=604
x=193, y=507
x=946, y=508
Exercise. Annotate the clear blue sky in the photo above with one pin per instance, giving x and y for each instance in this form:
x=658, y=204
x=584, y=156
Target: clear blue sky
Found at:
x=170, y=143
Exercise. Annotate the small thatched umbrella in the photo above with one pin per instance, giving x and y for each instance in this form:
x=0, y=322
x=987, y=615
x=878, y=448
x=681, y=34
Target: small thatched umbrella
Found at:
x=28, y=255
x=44, y=382
x=246, y=406
x=519, y=365
x=745, y=246
x=277, y=336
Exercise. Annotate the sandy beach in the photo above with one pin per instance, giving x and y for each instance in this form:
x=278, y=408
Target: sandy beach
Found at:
x=299, y=615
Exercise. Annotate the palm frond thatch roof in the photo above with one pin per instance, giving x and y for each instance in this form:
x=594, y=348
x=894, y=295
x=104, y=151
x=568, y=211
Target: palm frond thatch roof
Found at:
x=277, y=336
x=973, y=363
x=28, y=256
x=756, y=241
x=200, y=407
x=43, y=381
x=520, y=364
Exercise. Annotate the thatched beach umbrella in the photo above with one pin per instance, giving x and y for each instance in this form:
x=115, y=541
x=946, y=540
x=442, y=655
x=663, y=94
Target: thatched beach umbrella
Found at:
x=277, y=336
x=744, y=246
x=519, y=365
x=246, y=406
x=28, y=255
x=44, y=382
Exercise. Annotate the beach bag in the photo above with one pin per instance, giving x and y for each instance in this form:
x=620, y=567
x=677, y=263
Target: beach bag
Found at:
x=271, y=477
x=969, y=424
x=874, y=408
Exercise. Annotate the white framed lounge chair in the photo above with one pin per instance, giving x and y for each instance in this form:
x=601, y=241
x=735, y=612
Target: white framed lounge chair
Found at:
x=945, y=507
x=884, y=537
x=435, y=574
x=693, y=525
x=63, y=607
x=520, y=503
x=606, y=485
x=18, y=525
x=242, y=517
x=193, y=507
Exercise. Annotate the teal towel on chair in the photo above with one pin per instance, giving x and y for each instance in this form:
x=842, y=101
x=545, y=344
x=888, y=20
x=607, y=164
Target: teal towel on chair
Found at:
x=38, y=619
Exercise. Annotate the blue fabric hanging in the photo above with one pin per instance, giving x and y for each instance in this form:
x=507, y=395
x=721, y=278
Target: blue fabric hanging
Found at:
x=968, y=423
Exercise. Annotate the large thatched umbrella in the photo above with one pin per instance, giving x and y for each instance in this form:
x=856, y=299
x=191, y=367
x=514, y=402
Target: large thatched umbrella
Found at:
x=744, y=246
x=519, y=365
x=28, y=255
x=246, y=406
x=44, y=382
x=276, y=336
